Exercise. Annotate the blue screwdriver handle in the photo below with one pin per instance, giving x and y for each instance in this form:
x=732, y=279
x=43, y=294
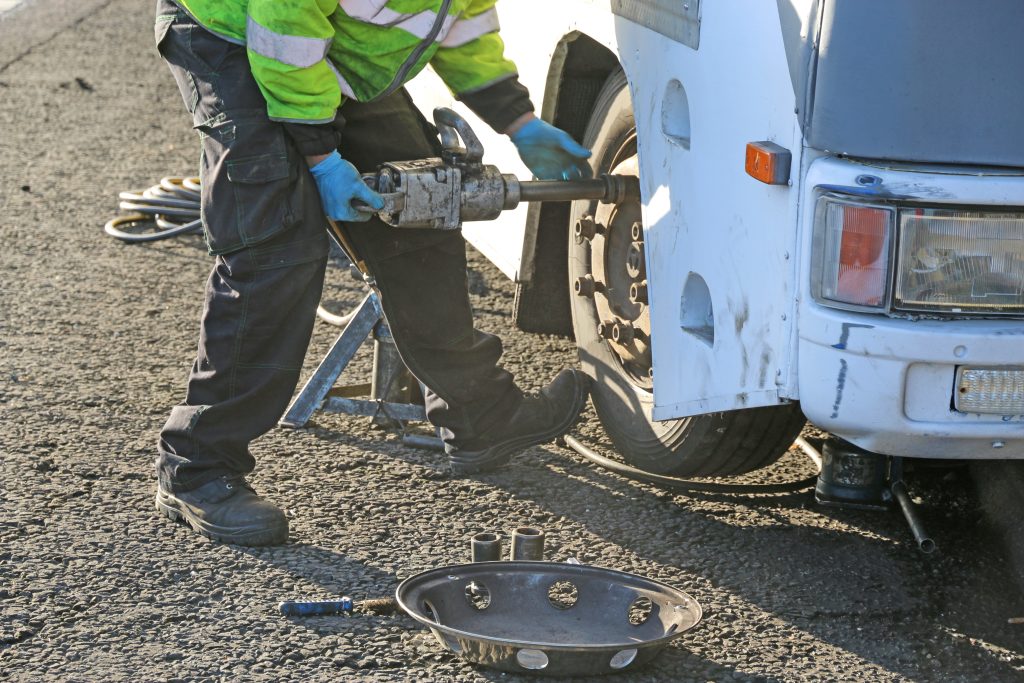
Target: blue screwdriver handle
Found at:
x=312, y=608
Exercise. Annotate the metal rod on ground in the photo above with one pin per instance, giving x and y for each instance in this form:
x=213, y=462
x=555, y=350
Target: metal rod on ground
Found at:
x=924, y=542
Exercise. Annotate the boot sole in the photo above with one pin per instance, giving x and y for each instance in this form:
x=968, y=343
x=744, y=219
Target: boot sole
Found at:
x=253, y=536
x=475, y=462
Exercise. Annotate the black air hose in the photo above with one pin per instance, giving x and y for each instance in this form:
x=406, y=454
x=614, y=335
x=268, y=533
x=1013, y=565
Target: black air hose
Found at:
x=690, y=486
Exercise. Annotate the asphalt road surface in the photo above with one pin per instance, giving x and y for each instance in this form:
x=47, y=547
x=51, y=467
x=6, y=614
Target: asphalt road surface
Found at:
x=96, y=338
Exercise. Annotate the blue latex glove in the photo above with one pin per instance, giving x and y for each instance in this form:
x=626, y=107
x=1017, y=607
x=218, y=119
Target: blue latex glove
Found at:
x=550, y=153
x=340, y=183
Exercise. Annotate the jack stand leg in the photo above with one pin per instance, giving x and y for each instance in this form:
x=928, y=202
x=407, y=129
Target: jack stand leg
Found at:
x=392, y=382
x=366, y=317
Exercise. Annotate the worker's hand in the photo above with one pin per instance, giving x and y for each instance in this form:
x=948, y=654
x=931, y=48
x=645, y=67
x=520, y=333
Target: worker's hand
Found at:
x=549, y=152
x=340, y=184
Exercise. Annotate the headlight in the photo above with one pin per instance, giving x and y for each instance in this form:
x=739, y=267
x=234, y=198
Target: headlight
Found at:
x=960, y=261
x=953, y=261
x=852, y=246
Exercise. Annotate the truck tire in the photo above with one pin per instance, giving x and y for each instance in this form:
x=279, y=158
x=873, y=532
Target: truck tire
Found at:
x=603, y=264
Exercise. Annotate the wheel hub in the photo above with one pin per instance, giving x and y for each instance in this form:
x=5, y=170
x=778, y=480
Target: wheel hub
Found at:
x=617, y=277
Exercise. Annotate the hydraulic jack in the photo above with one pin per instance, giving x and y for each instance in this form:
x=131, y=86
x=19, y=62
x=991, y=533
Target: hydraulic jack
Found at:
x=852, y=477
x=438, y=193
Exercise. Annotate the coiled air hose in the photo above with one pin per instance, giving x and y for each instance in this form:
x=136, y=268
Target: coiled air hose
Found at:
x=165, y=210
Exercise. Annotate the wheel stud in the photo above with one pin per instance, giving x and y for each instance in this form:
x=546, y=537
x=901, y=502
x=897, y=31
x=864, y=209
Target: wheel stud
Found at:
x=638, y=292
x=586, y=228
x=622, y=333
x=587, y=286
x=637, y=232
x=635, y=266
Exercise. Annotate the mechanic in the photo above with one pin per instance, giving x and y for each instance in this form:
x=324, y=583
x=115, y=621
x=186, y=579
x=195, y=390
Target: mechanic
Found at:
x=275, y=90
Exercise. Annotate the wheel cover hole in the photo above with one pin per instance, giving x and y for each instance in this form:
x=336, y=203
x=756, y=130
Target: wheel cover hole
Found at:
x=532, y=659
x=623, y=658
x=478, y=595
x=640, y=610
x=563, y=594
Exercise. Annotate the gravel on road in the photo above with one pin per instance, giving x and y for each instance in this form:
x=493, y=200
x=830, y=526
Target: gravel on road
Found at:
x=96, y=338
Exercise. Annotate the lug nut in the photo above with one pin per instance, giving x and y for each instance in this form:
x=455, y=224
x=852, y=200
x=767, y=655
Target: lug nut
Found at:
x=638, y=292
x=637, y=232
x=586, y=228
x=622, y=333
x=587, y=286
x=604, y=329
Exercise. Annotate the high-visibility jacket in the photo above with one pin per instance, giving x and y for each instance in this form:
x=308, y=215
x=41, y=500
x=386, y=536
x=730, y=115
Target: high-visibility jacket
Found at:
x=307, y=55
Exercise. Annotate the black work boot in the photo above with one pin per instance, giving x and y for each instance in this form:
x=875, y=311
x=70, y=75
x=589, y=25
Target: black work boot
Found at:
x=537, y=420
x=227, y=510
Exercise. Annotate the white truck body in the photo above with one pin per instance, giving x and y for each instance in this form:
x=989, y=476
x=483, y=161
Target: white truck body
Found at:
x=735, y=321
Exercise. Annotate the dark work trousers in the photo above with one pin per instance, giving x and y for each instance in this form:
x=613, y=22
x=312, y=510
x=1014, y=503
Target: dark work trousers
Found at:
x=265, y=226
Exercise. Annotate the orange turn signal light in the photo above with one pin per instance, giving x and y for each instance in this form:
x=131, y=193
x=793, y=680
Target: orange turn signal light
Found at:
x=768, y=162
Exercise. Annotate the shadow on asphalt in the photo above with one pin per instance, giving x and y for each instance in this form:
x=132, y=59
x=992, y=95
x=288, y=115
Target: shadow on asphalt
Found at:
x=866, y=572
x=848, y=571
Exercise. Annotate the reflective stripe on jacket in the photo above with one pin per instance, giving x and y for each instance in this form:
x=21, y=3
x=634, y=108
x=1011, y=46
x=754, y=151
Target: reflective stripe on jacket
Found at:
x=307, y=55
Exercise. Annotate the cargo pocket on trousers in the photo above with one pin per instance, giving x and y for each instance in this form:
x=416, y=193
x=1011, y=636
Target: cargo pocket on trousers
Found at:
x=250, y=182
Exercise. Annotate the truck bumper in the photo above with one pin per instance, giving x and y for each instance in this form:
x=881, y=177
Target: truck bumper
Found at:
x=887, y=384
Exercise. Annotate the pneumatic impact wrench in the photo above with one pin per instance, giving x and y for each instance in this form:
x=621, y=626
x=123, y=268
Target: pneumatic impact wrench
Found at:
x=443, y=192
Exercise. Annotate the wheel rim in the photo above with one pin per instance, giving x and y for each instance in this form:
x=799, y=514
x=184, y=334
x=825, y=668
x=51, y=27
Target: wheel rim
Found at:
x=616, y=274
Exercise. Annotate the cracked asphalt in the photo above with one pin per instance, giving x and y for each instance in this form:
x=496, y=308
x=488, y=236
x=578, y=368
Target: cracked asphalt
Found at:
x=96, y=338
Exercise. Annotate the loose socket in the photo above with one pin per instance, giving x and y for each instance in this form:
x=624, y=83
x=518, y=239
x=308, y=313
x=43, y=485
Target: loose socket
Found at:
x=486, y=547
x=527, y=544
